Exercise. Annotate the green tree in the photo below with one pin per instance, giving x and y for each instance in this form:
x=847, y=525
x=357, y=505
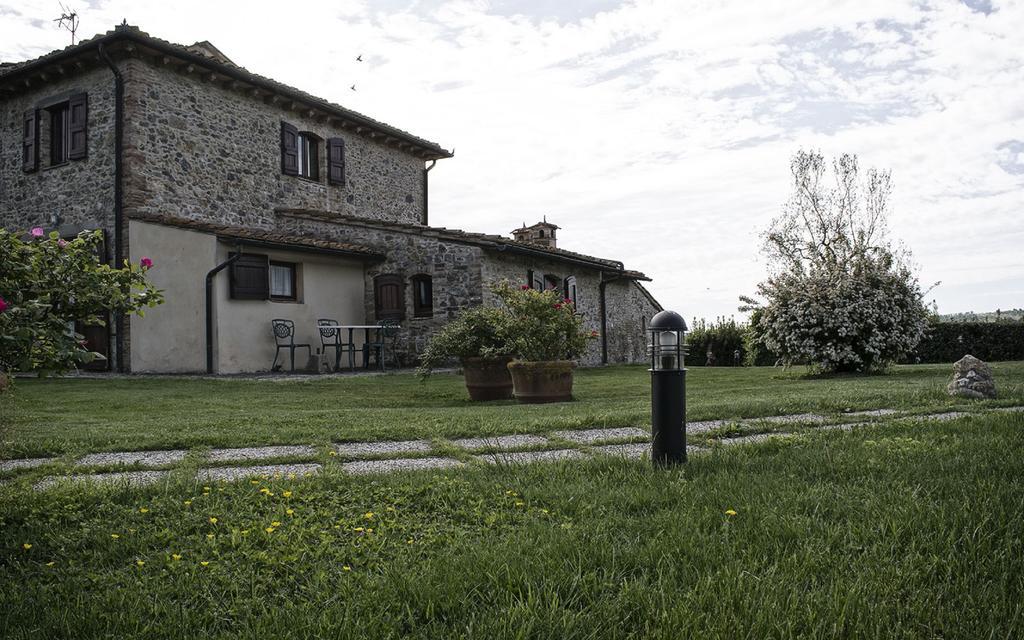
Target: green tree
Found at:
x=838, y=297
x=47, y=284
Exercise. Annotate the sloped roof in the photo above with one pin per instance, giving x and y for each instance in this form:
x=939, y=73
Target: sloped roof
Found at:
x=484, y=240
x=260, y=236
x=205, y=54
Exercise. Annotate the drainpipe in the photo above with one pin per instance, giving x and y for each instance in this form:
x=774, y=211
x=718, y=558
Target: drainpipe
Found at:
x=209, y=305
x=426, y=171
x=119, y=323
x=604, y=320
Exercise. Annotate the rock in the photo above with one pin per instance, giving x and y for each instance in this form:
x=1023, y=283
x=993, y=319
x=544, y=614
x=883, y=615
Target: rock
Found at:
x=972, y=378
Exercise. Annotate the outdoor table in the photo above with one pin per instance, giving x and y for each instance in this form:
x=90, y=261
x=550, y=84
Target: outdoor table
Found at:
x=366, y=336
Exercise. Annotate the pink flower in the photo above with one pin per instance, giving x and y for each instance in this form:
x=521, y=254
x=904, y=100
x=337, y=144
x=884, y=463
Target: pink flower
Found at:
x=525, y=287
x=558, y=305
x=567, y=301
x=61, y=243
x=145, y=263
x=37, y=232
x=3, y=305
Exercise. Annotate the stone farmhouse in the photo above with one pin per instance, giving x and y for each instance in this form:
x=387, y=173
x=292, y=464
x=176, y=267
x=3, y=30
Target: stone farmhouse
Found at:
x=180, y=155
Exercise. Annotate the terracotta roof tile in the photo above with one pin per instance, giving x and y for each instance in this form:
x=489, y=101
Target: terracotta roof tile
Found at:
x=258, y=235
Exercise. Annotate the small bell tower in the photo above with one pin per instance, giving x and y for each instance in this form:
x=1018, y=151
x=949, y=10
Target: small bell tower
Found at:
x=542, y=233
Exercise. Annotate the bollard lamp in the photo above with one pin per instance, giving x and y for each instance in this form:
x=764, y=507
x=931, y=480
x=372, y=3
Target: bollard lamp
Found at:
x=667, y=348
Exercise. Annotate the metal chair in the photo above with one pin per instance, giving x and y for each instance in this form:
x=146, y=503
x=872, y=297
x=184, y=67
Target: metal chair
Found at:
x=331, y=338
x=284, y=336
x=378, y=347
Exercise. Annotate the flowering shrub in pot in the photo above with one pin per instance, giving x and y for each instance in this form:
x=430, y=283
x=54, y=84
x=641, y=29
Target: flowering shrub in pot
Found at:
x=478, y=338
x=545, y=335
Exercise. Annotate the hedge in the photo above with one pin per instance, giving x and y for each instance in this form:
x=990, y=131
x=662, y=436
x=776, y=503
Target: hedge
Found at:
x=989, y=341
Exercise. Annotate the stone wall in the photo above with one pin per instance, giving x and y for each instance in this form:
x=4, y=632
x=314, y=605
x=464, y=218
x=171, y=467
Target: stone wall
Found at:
x=197, y=149
x=80, y=192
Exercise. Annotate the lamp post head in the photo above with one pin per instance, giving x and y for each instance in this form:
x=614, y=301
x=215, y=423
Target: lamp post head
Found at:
x=667, y=345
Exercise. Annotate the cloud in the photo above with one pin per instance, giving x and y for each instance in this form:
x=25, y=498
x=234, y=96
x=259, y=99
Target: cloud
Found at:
x=658, y=132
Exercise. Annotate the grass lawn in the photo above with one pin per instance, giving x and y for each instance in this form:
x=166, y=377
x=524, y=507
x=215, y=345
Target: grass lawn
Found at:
x=73, y=416
x=908, y=530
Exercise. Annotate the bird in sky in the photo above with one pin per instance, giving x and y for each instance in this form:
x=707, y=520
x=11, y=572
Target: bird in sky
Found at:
x=359, y=58
x=353, y=87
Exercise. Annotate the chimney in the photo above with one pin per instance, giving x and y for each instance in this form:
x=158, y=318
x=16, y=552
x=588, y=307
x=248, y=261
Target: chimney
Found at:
x=540, y=234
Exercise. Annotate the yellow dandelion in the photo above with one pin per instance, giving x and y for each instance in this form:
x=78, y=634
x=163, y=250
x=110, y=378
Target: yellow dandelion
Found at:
x=332, y=453
x=269, y=529
x=143, y=510
x=519, y=503
x=346, y=568
x=114, y=536
x=206, y=488
x=730, y=512
x=204, y=562
x=244, y=532
x=213, y=520
x=291, y=476
x=359, y=529
x=286, y=494
x=140, y=562
x=389, y=508
x=254, y=482
x=210, y=536
x=132, y=530
x=26, y=546
x=176, y=556
x=51, y=563
x=409, y=541
x=188, y=502
x=370, y=530
x=368, y=515
x=290, y=512
x=545, y=511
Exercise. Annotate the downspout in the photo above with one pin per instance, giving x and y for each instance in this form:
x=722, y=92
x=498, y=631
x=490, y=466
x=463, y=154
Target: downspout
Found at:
x=426, y=205
x=211, y=274
x=604, y=320
x=118, y=196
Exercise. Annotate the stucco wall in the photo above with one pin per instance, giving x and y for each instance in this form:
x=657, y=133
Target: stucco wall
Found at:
x=329, y=287
x=200, y=150
x=170, y=338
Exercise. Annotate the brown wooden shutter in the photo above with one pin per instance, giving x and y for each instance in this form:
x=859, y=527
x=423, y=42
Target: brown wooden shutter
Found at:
x=336, y=161
x=250, y=279
x=78, y=115
x=389, y=302
x=30, y=141
x=289, y=149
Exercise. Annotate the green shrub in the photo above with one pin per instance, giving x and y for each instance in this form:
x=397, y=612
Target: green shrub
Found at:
x=990, y=341
x=722, y=338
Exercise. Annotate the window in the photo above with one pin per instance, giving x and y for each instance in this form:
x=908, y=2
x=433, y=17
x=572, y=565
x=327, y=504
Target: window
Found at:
x=535, y=280
x=552, y=283
x=309, y=156
x=388, y=297
x=282, y=280
x=422, y=296
x=570, y=289
x=255, y=277
x=62, y=123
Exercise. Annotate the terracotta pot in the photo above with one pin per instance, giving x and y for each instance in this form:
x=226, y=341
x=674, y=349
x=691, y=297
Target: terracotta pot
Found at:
x=487, y=378
x=537, y=382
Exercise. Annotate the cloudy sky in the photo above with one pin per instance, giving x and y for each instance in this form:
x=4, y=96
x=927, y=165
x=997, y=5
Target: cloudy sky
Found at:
x=656, y=132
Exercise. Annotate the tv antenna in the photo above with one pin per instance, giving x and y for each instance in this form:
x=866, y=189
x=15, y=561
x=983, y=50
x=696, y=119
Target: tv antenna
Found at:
x=68, y=20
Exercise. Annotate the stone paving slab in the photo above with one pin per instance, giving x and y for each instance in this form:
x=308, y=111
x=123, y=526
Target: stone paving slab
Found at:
x=752, y=439
x=942, y=417
x=1009, y=409
x=795, y=417
x=358, y=449
x=399, y=464
x=24, y=463
x=130, y=478
x=638, y=450
x=271, y=470
x=144, y=458
x=590, y=436
x=500, y=442
x=525, y=457
x=262, y=453
x=872, y=413
x=706, y=425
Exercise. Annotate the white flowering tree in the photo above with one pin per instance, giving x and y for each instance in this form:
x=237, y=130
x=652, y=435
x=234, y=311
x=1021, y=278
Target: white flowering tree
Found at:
x=838, y=296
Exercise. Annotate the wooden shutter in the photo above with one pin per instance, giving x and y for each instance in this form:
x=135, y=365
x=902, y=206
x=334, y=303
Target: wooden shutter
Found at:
x=336, y=161
x=389, y=302
x=78, y=115
x=250, y=279
x=289, y=149
x=30, y=141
